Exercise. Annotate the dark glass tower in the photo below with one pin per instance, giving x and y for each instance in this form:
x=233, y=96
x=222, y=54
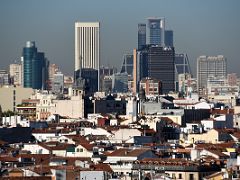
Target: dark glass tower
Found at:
x=161, y=66
x=35, y=67
x=169, y=38
x=141, y=36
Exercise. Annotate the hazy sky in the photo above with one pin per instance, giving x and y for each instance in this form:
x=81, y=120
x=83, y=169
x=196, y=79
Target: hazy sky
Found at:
x=209, y=27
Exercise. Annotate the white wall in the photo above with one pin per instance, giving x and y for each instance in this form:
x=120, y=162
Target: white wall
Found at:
x=35, y=149
x=123, y=135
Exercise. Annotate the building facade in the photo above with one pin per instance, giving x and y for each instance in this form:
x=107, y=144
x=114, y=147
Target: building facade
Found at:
x=161, y=66
x=209, y=67
x=120, y=82
x=58, y=82
x=4, y=78
x=35, y=67
x=15, y=71
x=87, y=45
x=12, y=96
x=151, y=86
x=156, y=31
x=127, y=65
x=141, y=36
x=169, y=38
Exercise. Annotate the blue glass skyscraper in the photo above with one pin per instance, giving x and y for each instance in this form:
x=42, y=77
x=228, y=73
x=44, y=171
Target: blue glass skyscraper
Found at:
x=169, y=38
x=141, y=36
x=35, y=67
x=156, y=31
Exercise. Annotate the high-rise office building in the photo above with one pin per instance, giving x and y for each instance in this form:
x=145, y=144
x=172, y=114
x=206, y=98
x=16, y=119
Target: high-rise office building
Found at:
x=58, y=82
x=169, y=38
x=120, y=82
x=161, y=66
x=87, y=46
x=156, y=31
x=35, y=67
x=141, y=36
x=127, y=64
x=210, y=67
x=15, y=71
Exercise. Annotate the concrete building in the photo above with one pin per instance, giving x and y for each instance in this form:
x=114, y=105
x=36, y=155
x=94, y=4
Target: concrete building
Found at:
x=45, y=104
x=232, y=79
x=210, y=67
x=4, y=78
x=15, y=71
x=72, y=107
x=58, y=82
x=87, y=45
x=52, y=69
x=106, y=84
x=151, y=86
x=12, y=96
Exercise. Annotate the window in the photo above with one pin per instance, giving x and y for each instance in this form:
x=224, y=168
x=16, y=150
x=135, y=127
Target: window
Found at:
x=191, y=176
x=179, y=176
x=173, y=176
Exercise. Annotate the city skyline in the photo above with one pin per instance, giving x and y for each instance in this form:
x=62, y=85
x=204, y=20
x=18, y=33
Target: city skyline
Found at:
x=200, y=28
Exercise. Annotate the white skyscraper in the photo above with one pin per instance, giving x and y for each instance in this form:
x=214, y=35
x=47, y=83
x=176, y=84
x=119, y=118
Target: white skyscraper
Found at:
x=87, y=45
x=210, y=67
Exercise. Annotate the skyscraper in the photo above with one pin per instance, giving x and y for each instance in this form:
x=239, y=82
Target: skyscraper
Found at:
x=127, y=64
x=35, y=67
x=87, y=46
x=182, y=65
x=141, y=36
x=161, y=66
x=156, y=31
x=210, y=67
x=169, y=38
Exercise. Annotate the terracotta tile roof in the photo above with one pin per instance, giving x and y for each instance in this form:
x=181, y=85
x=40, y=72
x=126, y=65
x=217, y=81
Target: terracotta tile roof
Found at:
x=57, y=146
x=81, y=140
x=151, y=131
x=167, y=162
x=212, y=176
x=218, y=153
x=182, y=150
x=71, y=160
x=38, y=158
x=2, y=142
x=170, y=121
x=8, y=159
x=128, y=152
x=28, y=178
x=102, y=167
x=221, y=146
x=51, y=130
x=222, y=111
x=236, y=134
